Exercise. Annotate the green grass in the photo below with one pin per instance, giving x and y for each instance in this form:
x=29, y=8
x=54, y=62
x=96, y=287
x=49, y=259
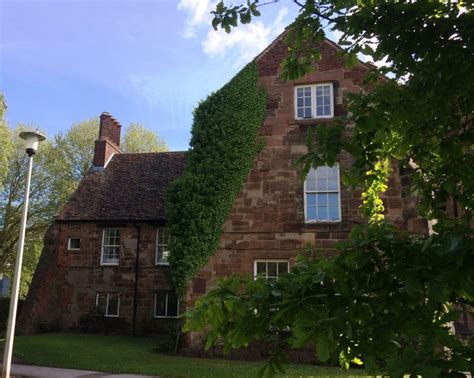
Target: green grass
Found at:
x=135, y=355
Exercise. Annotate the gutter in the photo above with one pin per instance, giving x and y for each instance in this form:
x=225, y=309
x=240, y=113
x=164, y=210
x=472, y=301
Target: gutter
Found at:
x=135, y=292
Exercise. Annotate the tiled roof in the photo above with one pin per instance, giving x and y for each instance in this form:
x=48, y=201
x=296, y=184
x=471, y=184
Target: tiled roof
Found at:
x=131, y=187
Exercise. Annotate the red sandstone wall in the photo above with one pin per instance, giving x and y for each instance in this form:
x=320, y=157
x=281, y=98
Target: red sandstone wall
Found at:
x=267, y=220
x=65, y=284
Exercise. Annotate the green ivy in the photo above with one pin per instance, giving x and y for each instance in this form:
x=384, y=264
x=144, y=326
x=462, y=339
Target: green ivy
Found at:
x=223, y=146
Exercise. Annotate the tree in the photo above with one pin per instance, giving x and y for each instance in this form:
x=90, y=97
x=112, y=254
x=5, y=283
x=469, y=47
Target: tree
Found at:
x=386, y=299
x=138, y=138
x=5, y=141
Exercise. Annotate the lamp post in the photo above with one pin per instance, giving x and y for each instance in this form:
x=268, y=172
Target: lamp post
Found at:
x=32, y=139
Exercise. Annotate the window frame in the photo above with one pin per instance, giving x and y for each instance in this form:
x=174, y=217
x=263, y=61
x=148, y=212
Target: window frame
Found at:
x=102, y=263
x=305, y=192
x=255, y=261
x=69, y=248
x=162, y=261
x=166, y=305
x=106, y=314
x=313, y=100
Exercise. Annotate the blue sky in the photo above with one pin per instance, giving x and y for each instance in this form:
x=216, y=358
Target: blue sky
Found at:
x=146, y=61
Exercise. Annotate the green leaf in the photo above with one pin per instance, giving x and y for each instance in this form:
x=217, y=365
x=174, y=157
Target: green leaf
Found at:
x=322, y=348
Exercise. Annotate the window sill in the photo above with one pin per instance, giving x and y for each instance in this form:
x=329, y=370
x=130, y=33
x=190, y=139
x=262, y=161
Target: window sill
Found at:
x=111, y=316
x=166, y=317
x=323, y=222
x=162, y=264
x=73, y=249
x=109, y=264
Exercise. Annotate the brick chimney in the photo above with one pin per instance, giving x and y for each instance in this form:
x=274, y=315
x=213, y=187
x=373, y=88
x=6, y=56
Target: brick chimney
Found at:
x=109, y=140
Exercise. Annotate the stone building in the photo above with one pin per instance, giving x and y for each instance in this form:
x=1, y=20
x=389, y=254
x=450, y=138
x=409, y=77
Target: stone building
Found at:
x=106, y=252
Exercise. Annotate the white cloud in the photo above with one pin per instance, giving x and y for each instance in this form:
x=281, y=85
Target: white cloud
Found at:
x=246, y=41
x=198, y=14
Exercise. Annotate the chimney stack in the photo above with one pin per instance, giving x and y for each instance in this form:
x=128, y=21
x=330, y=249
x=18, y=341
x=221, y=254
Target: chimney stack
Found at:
x=109, y=140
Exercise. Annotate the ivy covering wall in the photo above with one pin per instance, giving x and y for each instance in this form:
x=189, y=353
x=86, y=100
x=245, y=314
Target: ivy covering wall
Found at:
x=223, y=146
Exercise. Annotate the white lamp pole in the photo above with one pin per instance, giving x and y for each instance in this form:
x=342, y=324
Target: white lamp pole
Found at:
x=32, y=139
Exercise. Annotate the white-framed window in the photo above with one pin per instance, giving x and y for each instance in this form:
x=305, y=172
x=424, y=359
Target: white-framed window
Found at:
x=107, y=304
x=73, y=243
x=270, y=269
x=314, y=101
x=166, y=305
x=322, y=195
x=110, y=246
x=163, y=240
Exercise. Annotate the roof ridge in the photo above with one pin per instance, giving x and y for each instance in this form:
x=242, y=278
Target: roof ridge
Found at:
x=153, y=153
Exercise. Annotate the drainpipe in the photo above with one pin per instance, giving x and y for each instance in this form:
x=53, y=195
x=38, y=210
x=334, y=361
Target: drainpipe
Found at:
x=136, y=280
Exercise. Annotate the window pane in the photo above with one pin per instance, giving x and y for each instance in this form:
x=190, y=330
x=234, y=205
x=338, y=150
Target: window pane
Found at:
x=272, y=269
x=261, y=268
x=334, y=213
x=332, y=184
x=110, y=255
x=321, y=172
x=323, y=100
x=322, y=185
x=311, y=185
x=322, y=199
x=333, y=199
x=303, y=102
x=311, y=212
x=323, y=213
x=113, y=308
x=160, y=304
x=101, y=304
x=172, y=305
x=74, y=243
x=311, y=199
x=332, y=172
x=282, y=268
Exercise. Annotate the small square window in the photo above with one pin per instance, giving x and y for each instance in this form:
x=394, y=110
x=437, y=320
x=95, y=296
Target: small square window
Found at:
x=166, y=305
x=74, y=244
x=314, y=101
x=107, y=304
x=270, y=269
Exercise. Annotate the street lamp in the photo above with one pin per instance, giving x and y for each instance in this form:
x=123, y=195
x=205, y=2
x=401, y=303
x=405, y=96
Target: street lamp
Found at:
x=32, y=139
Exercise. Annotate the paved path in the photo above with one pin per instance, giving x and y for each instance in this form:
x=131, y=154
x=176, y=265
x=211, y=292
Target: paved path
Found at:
x=29, y=371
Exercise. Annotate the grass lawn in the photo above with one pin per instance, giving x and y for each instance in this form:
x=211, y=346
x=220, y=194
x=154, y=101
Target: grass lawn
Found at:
x=127, y=354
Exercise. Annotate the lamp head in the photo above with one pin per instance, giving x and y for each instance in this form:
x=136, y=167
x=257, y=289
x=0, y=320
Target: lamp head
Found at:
x=32, y=139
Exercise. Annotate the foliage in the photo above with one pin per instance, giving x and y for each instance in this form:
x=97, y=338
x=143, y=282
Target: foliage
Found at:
x=386, y=299
x=138, y=138
x=223, y=146
x=399, y=326
x=5, y=142
x=136, y=355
